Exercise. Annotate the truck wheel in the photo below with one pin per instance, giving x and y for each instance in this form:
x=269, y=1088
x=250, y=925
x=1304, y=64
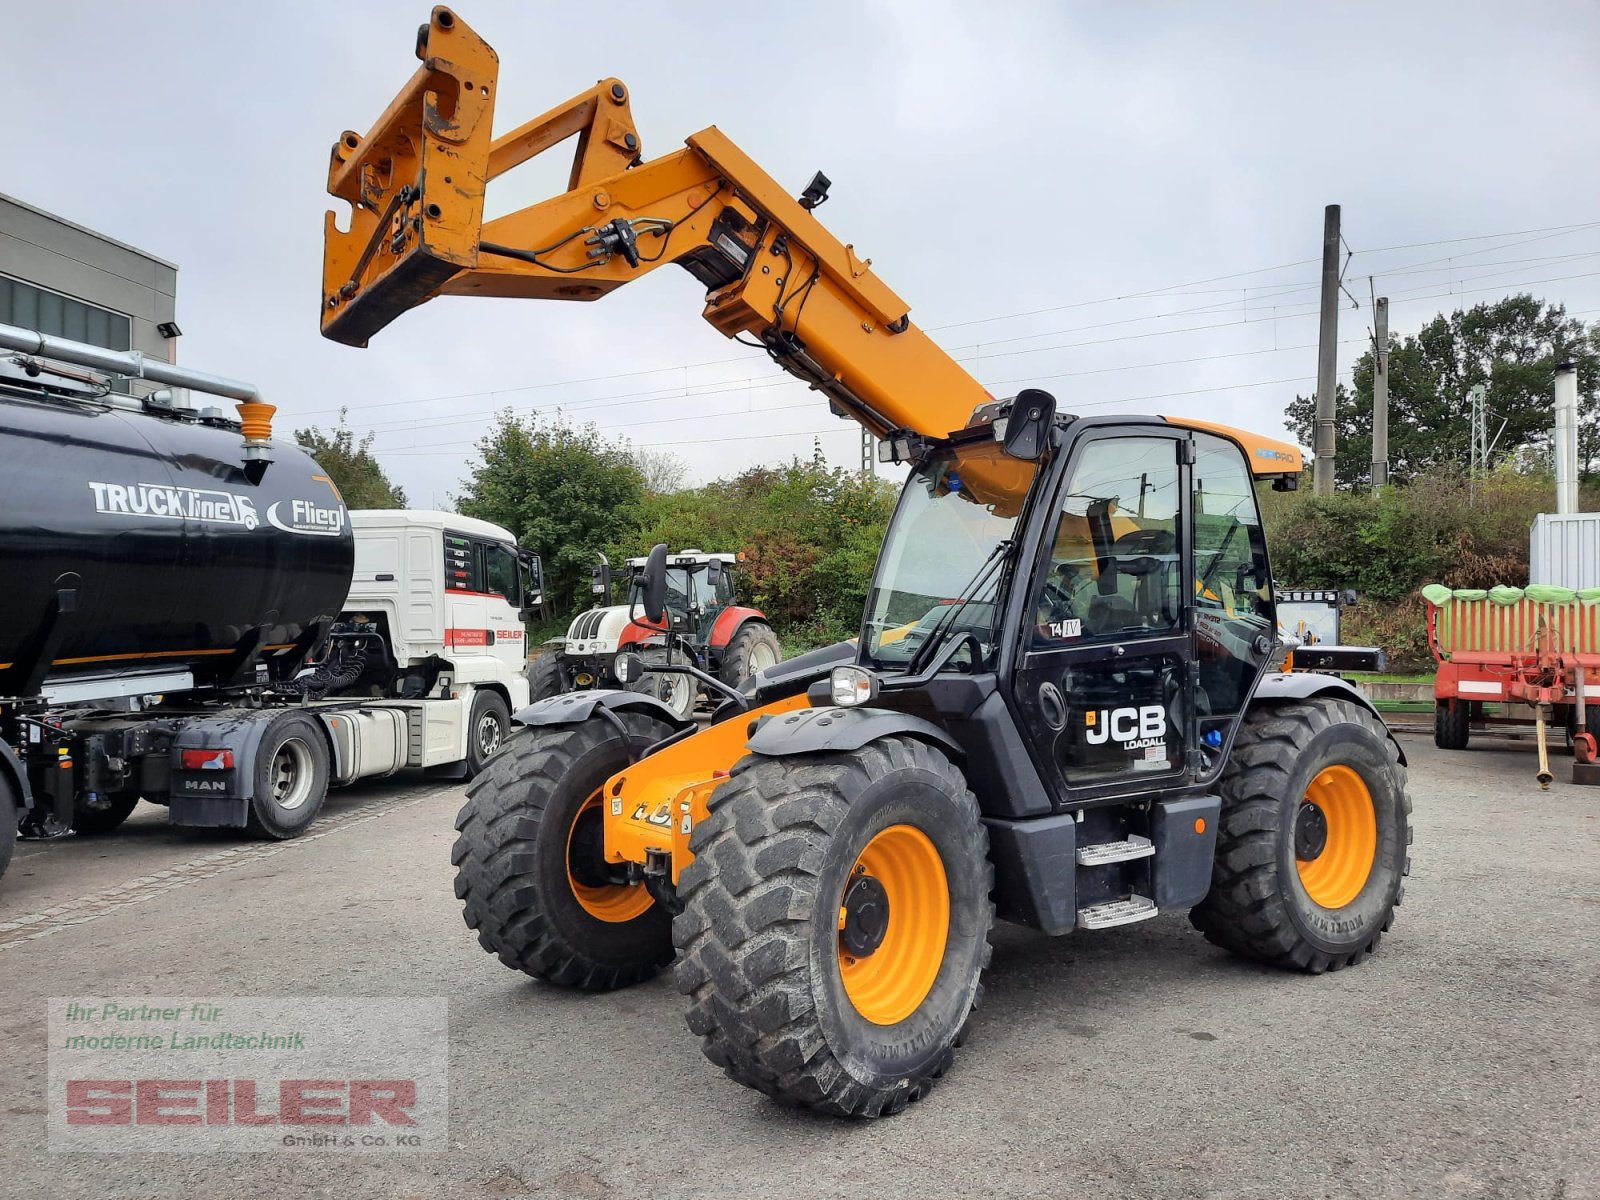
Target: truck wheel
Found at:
x=90, y=822
x=530, y=868
x=8, y=823
x=486, y=729
x=836, y=925
x=1450, y=725
x=291, y=778
x=753, y=647
x=545, y=677
x=1312, y=845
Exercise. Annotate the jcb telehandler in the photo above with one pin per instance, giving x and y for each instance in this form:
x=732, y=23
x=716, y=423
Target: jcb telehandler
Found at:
x=1061, y=707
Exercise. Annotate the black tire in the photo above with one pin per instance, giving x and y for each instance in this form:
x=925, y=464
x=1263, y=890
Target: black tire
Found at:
x=1451, y=730
x=92, y=822
x=512, y=859
x=291, y=778
x=545, y=677
x=759, y=941
x=487, y=729
x=1258, y=906
x=8, y=823
x=677, y=691
x=750, y=643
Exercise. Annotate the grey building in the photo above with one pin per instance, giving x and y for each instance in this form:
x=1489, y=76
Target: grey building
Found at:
x=62, y=279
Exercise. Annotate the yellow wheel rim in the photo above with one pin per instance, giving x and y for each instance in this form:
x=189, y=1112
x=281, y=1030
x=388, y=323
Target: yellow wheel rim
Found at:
x=901, y=868
x=612, y=902
x=1337, y=839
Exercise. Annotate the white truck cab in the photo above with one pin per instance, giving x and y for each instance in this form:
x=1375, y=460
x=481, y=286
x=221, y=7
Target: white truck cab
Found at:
x=447, y=594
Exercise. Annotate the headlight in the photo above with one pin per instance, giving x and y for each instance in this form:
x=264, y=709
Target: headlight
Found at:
x=853, y=686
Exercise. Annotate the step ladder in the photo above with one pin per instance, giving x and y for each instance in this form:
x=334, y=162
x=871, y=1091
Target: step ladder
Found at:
x=1117, y=912
x=1102, y=853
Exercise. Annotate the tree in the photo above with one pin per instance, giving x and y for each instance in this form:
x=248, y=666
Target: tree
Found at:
x=810, y=535
x=566, y=492
x=1512, y=346
x=662, y=471
x=351, y=465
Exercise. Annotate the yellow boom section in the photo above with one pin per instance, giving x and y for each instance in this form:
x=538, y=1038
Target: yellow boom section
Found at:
x=416, y=181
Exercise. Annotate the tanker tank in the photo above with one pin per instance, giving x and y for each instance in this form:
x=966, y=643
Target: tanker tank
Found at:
x=136, y=544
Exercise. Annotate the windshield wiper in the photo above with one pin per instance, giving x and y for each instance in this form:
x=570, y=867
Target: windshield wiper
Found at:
x=969, y=593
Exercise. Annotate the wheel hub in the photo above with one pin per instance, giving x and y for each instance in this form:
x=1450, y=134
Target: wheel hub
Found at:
x=865, y=916
x=586, y=856
x=1310, y=832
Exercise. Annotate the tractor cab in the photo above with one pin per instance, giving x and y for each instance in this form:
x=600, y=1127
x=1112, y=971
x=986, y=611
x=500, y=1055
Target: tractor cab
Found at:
x=699, y=588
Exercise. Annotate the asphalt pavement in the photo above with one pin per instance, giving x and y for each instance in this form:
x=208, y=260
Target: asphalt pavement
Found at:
x=1461, y=1061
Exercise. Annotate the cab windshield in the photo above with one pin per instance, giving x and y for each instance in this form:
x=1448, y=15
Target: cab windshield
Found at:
x=956, y=510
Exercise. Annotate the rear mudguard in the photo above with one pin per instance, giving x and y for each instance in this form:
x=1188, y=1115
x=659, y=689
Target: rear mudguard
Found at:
x=822, y=730
x=1303, y=685
x=573, y=708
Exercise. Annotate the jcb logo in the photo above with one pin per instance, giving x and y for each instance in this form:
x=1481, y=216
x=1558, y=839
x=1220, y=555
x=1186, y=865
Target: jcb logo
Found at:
x=1129, y=727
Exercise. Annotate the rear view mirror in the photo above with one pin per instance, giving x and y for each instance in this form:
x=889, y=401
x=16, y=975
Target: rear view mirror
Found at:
x=1027, y=426
x=655, y=584
x=601, y=585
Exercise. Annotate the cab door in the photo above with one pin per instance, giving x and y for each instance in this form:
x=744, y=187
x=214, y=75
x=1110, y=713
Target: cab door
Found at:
x=1104, y=685
x=502, y=585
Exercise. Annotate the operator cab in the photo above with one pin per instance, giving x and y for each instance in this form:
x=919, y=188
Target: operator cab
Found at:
x=1116, y=586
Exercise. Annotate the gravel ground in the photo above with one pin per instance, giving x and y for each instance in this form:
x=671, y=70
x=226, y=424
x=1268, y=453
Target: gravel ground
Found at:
x=1460, y=1061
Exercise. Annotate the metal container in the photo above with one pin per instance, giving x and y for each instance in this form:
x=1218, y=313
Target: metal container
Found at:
x=1564, y=549
x=135, y=544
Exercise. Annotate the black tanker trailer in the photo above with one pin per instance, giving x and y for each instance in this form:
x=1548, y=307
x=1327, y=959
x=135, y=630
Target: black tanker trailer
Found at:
x=163, y=577
x=173, y=612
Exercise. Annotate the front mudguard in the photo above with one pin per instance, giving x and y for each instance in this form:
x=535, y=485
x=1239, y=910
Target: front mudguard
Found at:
x=1304, y=685
x=573, y=708
x=840, y=730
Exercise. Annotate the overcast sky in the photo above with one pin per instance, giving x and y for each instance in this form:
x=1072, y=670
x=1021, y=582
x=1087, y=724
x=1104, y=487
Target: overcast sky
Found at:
x=1011, y=168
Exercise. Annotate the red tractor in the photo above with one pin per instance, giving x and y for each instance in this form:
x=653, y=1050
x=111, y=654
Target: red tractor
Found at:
x=703, y=627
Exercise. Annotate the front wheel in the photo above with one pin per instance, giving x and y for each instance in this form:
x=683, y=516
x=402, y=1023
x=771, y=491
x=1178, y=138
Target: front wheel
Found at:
x=673, y=688
x=546, y=677
x=1451, y=726
x=531, y=872
x=836, y=925
x=1313, y=842
x=487, y=729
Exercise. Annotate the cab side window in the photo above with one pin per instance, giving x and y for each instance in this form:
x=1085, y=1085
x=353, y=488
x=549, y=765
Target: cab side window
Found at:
x=1233, y=603
x=1113, y=569
x=500, y=573
x=1230, y=549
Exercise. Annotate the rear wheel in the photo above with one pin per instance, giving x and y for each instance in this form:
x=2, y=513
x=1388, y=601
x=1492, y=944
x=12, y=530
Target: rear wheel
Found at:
x=291, y=778
x=545, y=677
x=836, y=925
x=1312, y=847
x=752, y=648
x=8, y=823
x=1451, y=730
x=530, y=864
x=90, y=822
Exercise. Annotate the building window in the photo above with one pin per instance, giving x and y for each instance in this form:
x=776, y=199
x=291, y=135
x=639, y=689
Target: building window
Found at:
x=51, y=313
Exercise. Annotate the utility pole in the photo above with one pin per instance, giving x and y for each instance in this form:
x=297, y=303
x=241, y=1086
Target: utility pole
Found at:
x=1327, y=354
x=1566, y=438
x=1380, y=394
